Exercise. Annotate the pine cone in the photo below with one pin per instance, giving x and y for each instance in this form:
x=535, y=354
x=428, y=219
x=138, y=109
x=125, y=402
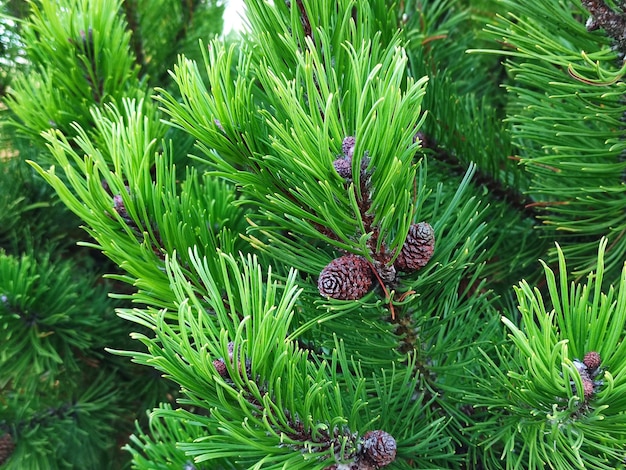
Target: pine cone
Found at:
x=379, y=447
x=220, y=366
x=345, y=278
x=347, y=146
x=343, y=166
x=587, y=374
x=581, y=368
x=588, y=388
x=426, y=142
x=7, y=446
x=592, y=360
x=418, y=248
x=120, y=208
x=386, y=272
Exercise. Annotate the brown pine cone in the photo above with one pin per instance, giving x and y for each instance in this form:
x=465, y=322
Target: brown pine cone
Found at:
x=588, y=388
x=379, y=447
x=418, y=248
x=346, y=278
x=592, y=360
x=7, y=446
x=386, y=272
x=220, y=366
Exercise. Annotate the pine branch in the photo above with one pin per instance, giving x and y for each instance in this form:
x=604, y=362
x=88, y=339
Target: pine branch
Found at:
x=75, y=426
x=567, y=117
x=91, y=49
x=131, y=13
x=48, y=318
x=558, y=373
x=510, y=195
x=386, y=347
x=614, y=23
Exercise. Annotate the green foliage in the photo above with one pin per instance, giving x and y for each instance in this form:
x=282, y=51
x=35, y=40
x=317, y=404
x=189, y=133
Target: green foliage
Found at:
x=541, y=414
x=307, y=127
x=159, y=447
x=134, y=219
x=163, y=29
x=62, y=395
x=73, y=425
x=463, y=128
x=566, y=112
x=82, y=57
x=298, y=412
x=142, y=219
x=64, y=401
x=47, y=316
x=221, y=252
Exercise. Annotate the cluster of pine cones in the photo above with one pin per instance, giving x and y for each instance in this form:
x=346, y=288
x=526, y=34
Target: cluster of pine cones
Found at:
x=350, y=277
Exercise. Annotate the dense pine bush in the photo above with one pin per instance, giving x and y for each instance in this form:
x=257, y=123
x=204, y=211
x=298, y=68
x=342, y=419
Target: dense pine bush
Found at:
x=358, y=235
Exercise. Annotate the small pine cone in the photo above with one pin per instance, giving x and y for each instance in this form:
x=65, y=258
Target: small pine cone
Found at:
x=581, y=368
x=7, y=446
x=346, y=278
x=386, y=272
x=379, y=447
x=592, y=360
x=343, y=166
x=120, y=208
x=588, y=388
x=418, y=248
x=347, y=146
x=231, y=350
x=220, y=366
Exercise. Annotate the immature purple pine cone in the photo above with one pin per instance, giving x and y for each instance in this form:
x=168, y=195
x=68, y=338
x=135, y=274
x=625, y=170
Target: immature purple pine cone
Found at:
x=418, y=248
x=347, y=146
x=120, y=208
x=588, y=388
x=592, y=360
x=343, y=166
x=220, y=364
x=587, y=374
x=346, y=278
x=379, y=447
x=582, y=369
